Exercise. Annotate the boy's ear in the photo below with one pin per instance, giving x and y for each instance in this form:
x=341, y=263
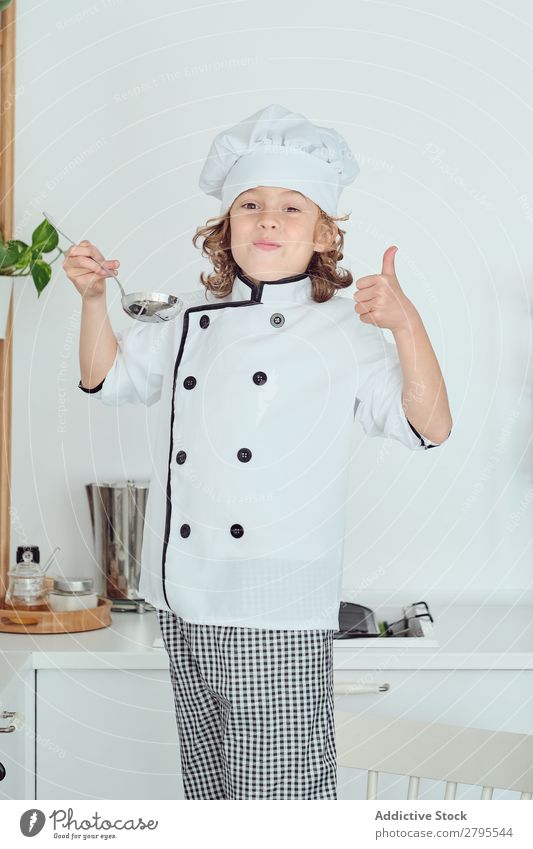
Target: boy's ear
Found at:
x=325, y=235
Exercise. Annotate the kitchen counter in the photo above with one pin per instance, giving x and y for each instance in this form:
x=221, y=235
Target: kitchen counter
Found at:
x=466, y=637
x=93, y=705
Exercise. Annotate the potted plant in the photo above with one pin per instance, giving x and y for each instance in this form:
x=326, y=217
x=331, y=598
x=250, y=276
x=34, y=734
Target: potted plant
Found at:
x=17, y=259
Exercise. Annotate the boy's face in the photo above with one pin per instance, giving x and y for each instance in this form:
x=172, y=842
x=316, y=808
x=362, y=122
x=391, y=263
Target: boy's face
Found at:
x=272, y=214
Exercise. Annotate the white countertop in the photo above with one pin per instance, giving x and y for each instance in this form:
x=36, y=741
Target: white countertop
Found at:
x=466, y=637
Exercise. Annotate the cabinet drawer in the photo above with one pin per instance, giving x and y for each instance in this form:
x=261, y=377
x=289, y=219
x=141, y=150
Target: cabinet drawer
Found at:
x=500, y=700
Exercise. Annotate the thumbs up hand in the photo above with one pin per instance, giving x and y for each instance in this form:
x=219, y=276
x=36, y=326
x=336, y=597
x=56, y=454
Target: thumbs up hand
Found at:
x=380, y=300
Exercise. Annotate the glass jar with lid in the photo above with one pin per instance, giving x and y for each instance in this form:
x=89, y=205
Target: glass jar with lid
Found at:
x=27, y=589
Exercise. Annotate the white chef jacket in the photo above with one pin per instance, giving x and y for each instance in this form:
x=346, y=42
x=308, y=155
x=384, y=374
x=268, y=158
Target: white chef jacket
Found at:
x=258, y=395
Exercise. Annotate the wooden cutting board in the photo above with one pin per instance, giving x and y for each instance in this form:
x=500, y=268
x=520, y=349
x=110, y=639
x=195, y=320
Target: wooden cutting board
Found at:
x=55, y=621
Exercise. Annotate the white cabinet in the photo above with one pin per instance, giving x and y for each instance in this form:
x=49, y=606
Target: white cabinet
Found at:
x=494, y=699
x=17, y=748
x=106, y=734
x=111, y=734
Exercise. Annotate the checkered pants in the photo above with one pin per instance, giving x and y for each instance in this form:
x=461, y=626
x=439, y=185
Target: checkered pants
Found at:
x=254, y=710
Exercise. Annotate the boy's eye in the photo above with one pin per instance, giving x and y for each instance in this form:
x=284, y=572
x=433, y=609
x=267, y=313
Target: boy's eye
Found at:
x=251, y=202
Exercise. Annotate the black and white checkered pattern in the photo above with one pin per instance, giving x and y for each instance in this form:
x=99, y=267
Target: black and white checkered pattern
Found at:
x=254, y=710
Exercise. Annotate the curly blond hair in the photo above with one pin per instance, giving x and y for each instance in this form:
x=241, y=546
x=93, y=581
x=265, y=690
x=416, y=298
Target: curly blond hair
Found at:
x=326, y=277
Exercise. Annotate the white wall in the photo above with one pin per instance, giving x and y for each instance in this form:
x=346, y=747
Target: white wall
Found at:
x=117, y=105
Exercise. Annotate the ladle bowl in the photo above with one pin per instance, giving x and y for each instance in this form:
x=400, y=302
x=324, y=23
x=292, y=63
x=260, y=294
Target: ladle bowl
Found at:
x=151, y=306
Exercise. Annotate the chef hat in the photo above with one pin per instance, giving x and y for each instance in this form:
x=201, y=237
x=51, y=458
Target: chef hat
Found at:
x=277, y=147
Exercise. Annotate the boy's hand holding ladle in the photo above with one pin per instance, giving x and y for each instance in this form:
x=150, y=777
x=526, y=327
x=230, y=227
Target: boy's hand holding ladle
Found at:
x=83, y=270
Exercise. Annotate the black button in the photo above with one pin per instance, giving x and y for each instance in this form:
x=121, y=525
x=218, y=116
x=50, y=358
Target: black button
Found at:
x=260, y=377
x=277, y=319
x=204, y=321
x=185, y=530
x=181, y=456
x=244, y=454
x=237, y=531
x=189, y=382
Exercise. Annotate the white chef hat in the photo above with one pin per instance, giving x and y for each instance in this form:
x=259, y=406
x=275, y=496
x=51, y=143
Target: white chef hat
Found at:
x=277, y=147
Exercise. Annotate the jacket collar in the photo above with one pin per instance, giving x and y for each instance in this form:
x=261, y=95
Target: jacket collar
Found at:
x=294, y=289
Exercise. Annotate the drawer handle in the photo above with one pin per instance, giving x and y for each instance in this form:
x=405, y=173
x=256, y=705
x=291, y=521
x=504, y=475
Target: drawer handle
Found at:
x=16, y=721
x=356, y=687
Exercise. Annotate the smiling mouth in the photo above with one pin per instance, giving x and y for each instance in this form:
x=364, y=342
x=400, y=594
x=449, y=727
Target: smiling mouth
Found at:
x=265, y=246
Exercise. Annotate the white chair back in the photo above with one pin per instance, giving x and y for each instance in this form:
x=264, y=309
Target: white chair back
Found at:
x=450, y=753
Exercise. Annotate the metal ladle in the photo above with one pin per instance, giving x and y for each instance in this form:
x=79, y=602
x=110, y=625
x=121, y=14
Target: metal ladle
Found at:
x=143, y=306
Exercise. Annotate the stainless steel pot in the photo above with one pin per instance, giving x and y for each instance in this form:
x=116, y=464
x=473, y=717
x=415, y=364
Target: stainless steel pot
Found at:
x=117, y=517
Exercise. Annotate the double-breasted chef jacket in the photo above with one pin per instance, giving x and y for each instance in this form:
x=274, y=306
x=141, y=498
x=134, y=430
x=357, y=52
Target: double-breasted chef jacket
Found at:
x=258, y=393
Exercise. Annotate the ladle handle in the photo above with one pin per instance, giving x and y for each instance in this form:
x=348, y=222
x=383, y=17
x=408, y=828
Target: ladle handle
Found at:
x=52, y=222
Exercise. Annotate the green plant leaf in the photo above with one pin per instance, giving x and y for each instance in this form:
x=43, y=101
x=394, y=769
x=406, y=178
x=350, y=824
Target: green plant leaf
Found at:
x=8, y=255
x=44, y=237
x=20, y=245
x=41, y=273
x=23, y=253
x=4, y=4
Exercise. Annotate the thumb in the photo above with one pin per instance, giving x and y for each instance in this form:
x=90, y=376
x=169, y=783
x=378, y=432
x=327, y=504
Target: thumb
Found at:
x=388, y=261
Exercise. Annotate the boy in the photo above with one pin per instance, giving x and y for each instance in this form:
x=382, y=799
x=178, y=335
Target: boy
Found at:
x=260, y=380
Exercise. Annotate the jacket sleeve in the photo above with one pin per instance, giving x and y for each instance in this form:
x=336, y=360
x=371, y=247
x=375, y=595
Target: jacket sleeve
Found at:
x=378, y=403
x=142, y=358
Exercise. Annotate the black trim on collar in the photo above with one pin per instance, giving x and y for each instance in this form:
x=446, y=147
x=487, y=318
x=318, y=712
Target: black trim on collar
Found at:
x=257, y=288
